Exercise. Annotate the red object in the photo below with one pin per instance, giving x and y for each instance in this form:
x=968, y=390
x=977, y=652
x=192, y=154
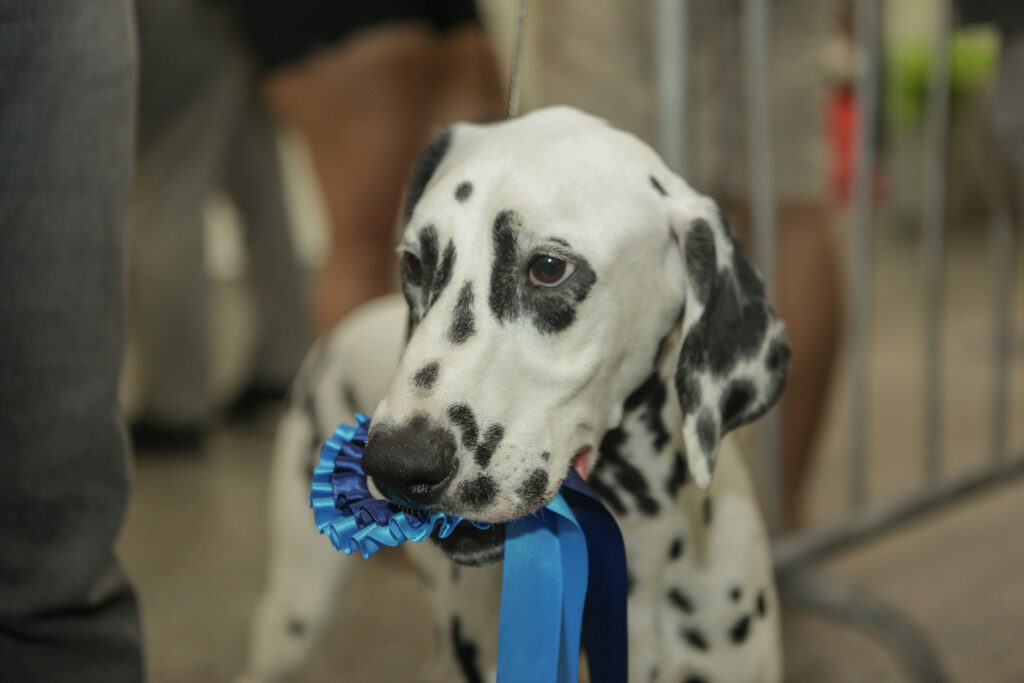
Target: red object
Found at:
x=841, y=117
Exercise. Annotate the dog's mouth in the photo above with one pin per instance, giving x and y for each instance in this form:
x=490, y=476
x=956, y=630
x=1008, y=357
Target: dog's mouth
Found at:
x=474, y=547
x=583, y=461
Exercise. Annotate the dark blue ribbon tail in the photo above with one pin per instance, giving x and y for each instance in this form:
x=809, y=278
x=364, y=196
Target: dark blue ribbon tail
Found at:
x=605, y=634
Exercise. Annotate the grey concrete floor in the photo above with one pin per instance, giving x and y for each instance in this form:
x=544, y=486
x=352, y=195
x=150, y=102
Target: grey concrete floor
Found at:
x=193, y=539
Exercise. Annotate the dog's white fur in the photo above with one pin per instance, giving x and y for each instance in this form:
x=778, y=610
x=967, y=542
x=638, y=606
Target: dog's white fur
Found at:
x=553, y=393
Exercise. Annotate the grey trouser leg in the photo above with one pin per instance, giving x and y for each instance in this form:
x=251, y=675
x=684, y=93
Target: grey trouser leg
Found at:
x=203, y=130
x=67, y=69
x=169, y=290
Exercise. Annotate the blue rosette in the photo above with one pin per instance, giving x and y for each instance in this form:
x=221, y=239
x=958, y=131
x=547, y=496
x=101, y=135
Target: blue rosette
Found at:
x=347, y=513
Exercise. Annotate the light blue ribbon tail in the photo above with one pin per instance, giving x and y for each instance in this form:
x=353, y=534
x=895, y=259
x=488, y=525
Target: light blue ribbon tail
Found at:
x=544, y=585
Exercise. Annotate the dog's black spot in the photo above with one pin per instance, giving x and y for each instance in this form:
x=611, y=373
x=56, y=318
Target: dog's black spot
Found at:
x=485, y=449
x=607, y=495
x=701, y=263
x=479, y=492
x=652, y=415
x=554, y=309
x=681, y=600
x=464, y=190
x=778, y=355
x=651, y=394
x=696, y=638
x=426, y=376
x=462, y=415
x=625, y=473
x=762, y=605
x=550, y=309
x=735, y=593
x=739, y=631
x=657, y=186
x=465, y=654
x=640, y=394
x=473, y=547
x=545, y=456
x=611, y=445
x=423, y=169
x=296, y=627
x=750, y=284
x=463, y=326
x=689, y=392
x=706, y=431
x=348, y=396
x=737, y=398
x=533, y=489
x=677, y=477
x=729, y=330
x=675, y=551
x=437, y=267
x=504, y=295
x=444, y=273
x=429, y=251
x=707, y=511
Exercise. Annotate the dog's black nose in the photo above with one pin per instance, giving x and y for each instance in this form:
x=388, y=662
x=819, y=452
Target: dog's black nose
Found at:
x=415, y=459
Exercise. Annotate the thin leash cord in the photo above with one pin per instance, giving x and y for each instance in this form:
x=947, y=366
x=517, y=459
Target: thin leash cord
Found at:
x=515, y=76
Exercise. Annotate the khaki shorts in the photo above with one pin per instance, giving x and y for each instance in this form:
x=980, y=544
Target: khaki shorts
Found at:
x=598, y=55
x=799, y=32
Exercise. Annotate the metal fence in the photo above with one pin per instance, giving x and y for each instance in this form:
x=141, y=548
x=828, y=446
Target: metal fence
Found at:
x=797, y=555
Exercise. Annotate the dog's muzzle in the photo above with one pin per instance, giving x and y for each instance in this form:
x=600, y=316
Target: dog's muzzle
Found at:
x=415, y=460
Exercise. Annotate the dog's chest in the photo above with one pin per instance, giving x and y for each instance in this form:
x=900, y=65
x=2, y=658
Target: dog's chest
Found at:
x=701, y=598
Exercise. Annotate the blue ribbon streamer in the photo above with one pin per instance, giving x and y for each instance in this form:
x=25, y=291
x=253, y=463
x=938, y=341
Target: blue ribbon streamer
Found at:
x=564, y=565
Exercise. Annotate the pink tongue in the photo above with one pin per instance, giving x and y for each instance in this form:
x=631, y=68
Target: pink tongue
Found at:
x=582, y=461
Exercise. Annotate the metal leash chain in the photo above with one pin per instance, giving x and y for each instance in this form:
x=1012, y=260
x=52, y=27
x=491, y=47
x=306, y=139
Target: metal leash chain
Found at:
x=515, y=75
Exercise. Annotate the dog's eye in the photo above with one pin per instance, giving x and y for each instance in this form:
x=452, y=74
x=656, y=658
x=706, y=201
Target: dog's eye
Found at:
x=413, y=268
x=548, y=271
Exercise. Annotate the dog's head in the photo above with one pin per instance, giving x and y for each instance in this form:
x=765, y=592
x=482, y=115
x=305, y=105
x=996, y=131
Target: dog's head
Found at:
x=544, y=260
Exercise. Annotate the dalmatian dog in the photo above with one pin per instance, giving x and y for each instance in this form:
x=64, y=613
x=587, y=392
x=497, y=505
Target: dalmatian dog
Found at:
x=569, y=302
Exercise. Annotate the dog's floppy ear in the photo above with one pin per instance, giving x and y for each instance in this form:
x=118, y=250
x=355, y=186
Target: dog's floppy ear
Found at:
x=733, y=359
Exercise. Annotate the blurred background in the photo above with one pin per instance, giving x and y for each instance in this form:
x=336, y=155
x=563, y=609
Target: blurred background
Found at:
x=269, y=180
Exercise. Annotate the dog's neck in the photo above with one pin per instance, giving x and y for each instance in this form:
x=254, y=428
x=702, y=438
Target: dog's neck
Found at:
x=645, y=452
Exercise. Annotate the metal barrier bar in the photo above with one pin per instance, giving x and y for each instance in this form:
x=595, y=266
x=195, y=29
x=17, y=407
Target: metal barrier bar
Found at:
x=908, y=642
x=933, y=215
x=757, y=81
x=858, y=286
x=1002, y=329
x=816, y=545
x=672, y=78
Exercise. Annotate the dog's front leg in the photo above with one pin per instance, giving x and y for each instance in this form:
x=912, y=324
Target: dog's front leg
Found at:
x=465, y=603
x=304, y=573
